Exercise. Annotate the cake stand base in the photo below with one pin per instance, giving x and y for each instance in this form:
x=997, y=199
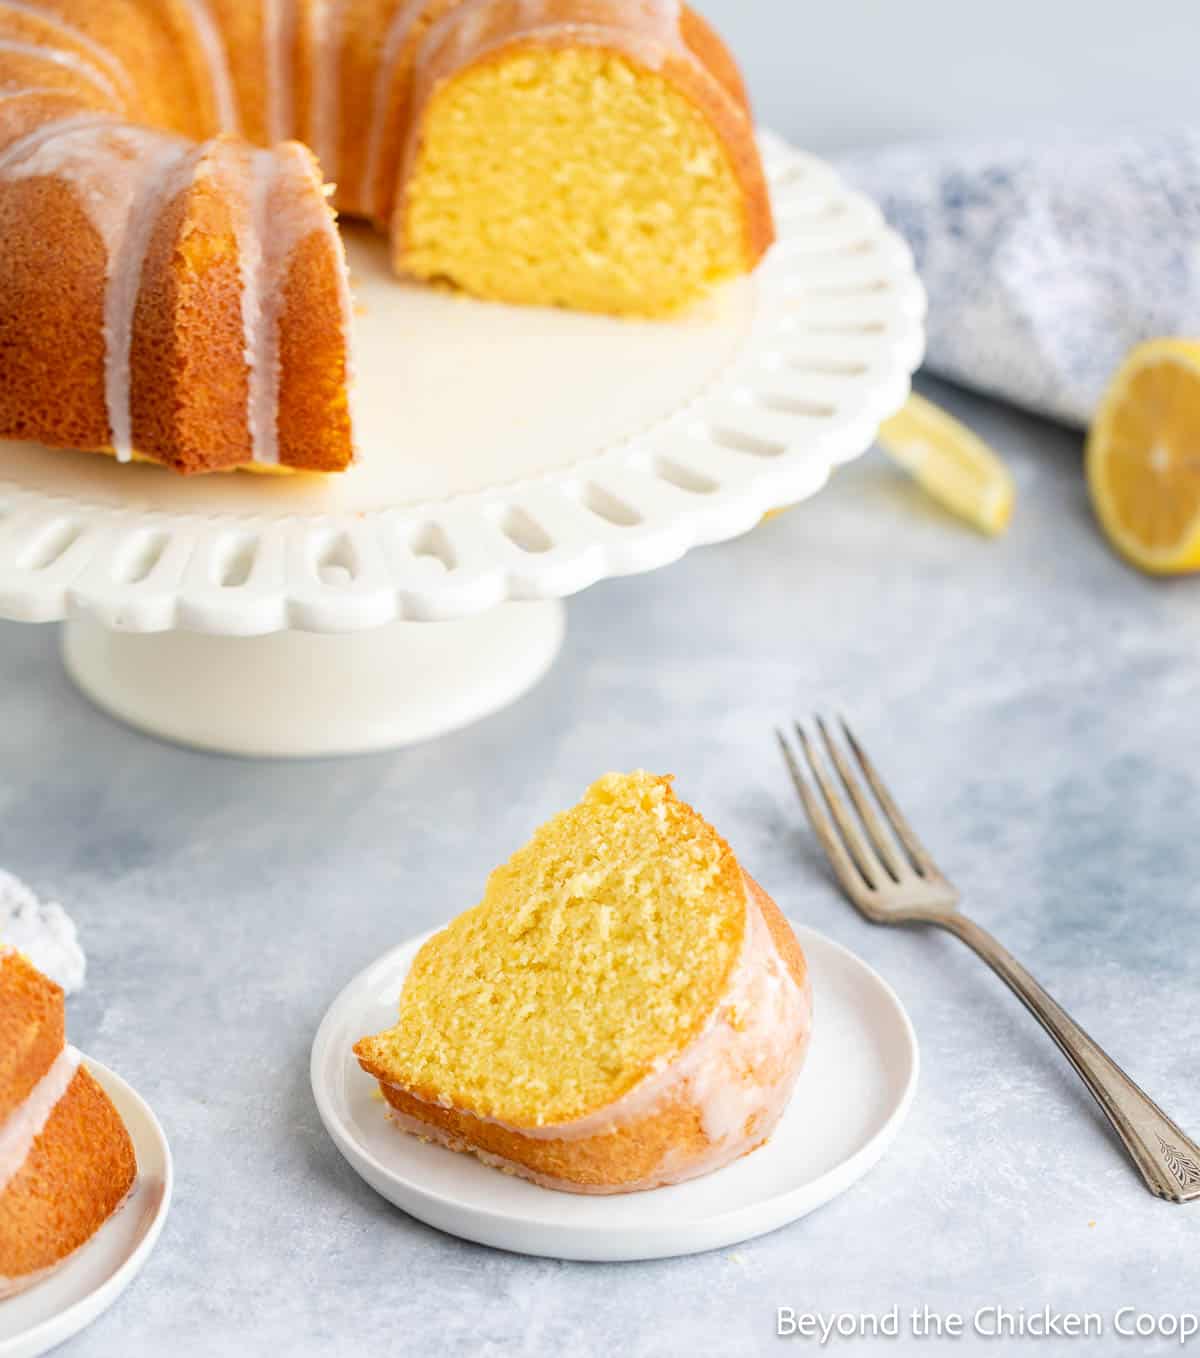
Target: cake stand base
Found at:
x=301, y=694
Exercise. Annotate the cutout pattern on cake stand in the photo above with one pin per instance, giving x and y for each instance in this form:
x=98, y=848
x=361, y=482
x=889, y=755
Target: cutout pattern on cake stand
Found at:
x=510, y=458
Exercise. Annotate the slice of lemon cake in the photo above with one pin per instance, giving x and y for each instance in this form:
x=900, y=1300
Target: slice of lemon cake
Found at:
x=592, y=154
x=66, y=1160
x=624, y=1009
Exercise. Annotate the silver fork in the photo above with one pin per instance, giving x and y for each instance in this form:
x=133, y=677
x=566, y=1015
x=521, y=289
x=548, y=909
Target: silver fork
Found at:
x=892, y=880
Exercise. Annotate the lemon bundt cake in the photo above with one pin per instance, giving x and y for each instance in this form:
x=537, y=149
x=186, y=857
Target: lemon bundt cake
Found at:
x=625, y=1008
x=66, y=1160
x=172, y=284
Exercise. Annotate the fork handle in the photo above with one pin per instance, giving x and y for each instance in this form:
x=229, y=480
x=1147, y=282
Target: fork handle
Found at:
x=1167, y=1159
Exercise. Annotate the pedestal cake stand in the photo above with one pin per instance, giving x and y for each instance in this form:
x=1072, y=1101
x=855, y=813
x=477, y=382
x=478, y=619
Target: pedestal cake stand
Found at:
x=508, y=459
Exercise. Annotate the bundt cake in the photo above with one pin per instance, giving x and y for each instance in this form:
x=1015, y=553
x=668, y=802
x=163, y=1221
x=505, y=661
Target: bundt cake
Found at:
x=172, y=284
x=66, y=1160
x=625, y=1008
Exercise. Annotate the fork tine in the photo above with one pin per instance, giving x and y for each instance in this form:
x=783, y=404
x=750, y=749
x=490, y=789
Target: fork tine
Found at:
x=879, y=838
x=843, y=866
x=904, y=832
x=868, y=863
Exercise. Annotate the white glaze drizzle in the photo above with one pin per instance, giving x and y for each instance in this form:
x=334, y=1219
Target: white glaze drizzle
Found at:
x=659, y=33
x=216, y=58
x=32, y=141
x=24, y=91
x=395, y=38
x=260, y=314
x=649, y=28
x=737, y=1073
x=279, y=220
x=326, y=19
x=746, y=1048
x=95, y=153
x=245, y=177
x=70, y=61
x=164, y=173
x=648, y=31
x=121, y=175
x=27, y=1122
x=328, y=225
x=99, y=54
x=466, y=23
x=278, y=34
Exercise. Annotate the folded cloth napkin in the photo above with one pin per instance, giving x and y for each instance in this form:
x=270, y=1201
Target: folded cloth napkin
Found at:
x=1046, y=261
x=45, y=933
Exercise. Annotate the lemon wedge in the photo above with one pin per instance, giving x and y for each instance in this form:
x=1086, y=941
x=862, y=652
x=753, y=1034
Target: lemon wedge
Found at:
x=951, y=463
x=1143, y=457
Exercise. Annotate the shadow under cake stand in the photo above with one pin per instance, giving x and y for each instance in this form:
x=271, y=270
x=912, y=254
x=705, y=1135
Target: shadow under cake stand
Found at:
x=509, y=457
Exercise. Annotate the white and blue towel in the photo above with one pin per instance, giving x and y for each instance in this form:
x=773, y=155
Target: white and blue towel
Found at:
x=1046, y=262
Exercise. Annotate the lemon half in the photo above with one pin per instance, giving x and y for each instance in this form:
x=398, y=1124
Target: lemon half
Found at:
x=1143, y=458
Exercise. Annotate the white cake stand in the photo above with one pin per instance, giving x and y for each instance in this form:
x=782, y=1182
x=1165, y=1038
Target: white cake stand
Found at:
x=508, y=458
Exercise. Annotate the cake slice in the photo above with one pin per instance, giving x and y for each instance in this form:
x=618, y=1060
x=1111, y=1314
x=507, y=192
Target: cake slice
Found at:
x=66, y=1159
x=172, y=302
x=591, y=154
x=242, y=316
x=624, y=1009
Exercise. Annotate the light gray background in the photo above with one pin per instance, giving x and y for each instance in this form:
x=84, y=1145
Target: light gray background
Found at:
x=1036, y=704
x=855, y=72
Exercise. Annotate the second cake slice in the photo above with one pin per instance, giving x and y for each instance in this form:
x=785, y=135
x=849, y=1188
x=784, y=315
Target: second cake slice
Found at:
x=624, y=1009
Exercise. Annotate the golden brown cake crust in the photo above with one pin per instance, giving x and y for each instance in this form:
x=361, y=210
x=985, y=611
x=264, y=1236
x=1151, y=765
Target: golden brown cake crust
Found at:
x=51, y=318
x=729, y=880
x=32, y=1029
x=314, y=410
x=145, y=64
x=64, y=249
x=79, y=1170
x=704, y=72
x=709, y=47
x=631, y=1157
x=380, y=184
x=188, y=335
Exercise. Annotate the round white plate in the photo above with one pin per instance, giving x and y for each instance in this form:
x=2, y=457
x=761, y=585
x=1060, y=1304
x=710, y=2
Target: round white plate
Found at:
x=95, y=1276
x=850, y=1102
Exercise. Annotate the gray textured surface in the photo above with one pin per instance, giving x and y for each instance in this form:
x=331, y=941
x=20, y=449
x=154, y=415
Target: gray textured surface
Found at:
x=1036, y=704
x=857, y=72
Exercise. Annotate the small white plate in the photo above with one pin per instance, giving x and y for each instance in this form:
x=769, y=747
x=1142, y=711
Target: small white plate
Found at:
x=850, y=1102
x=95, y=1276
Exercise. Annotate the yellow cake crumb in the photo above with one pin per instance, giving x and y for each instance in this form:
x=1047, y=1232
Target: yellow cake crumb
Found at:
x=613, y=192
x=597, y=952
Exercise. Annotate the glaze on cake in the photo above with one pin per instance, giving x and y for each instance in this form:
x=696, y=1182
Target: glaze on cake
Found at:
x=603, y=1022
x=630, y=183
x=171, y=292
x=66, y=1160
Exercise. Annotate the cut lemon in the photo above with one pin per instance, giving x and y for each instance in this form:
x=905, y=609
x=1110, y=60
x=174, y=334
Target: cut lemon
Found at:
x=951, y=463
x=1143, y=457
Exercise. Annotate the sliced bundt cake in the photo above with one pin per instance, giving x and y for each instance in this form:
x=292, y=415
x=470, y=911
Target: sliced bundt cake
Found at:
x=624, y=1009
x=172, y=290
x=66, y=1160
